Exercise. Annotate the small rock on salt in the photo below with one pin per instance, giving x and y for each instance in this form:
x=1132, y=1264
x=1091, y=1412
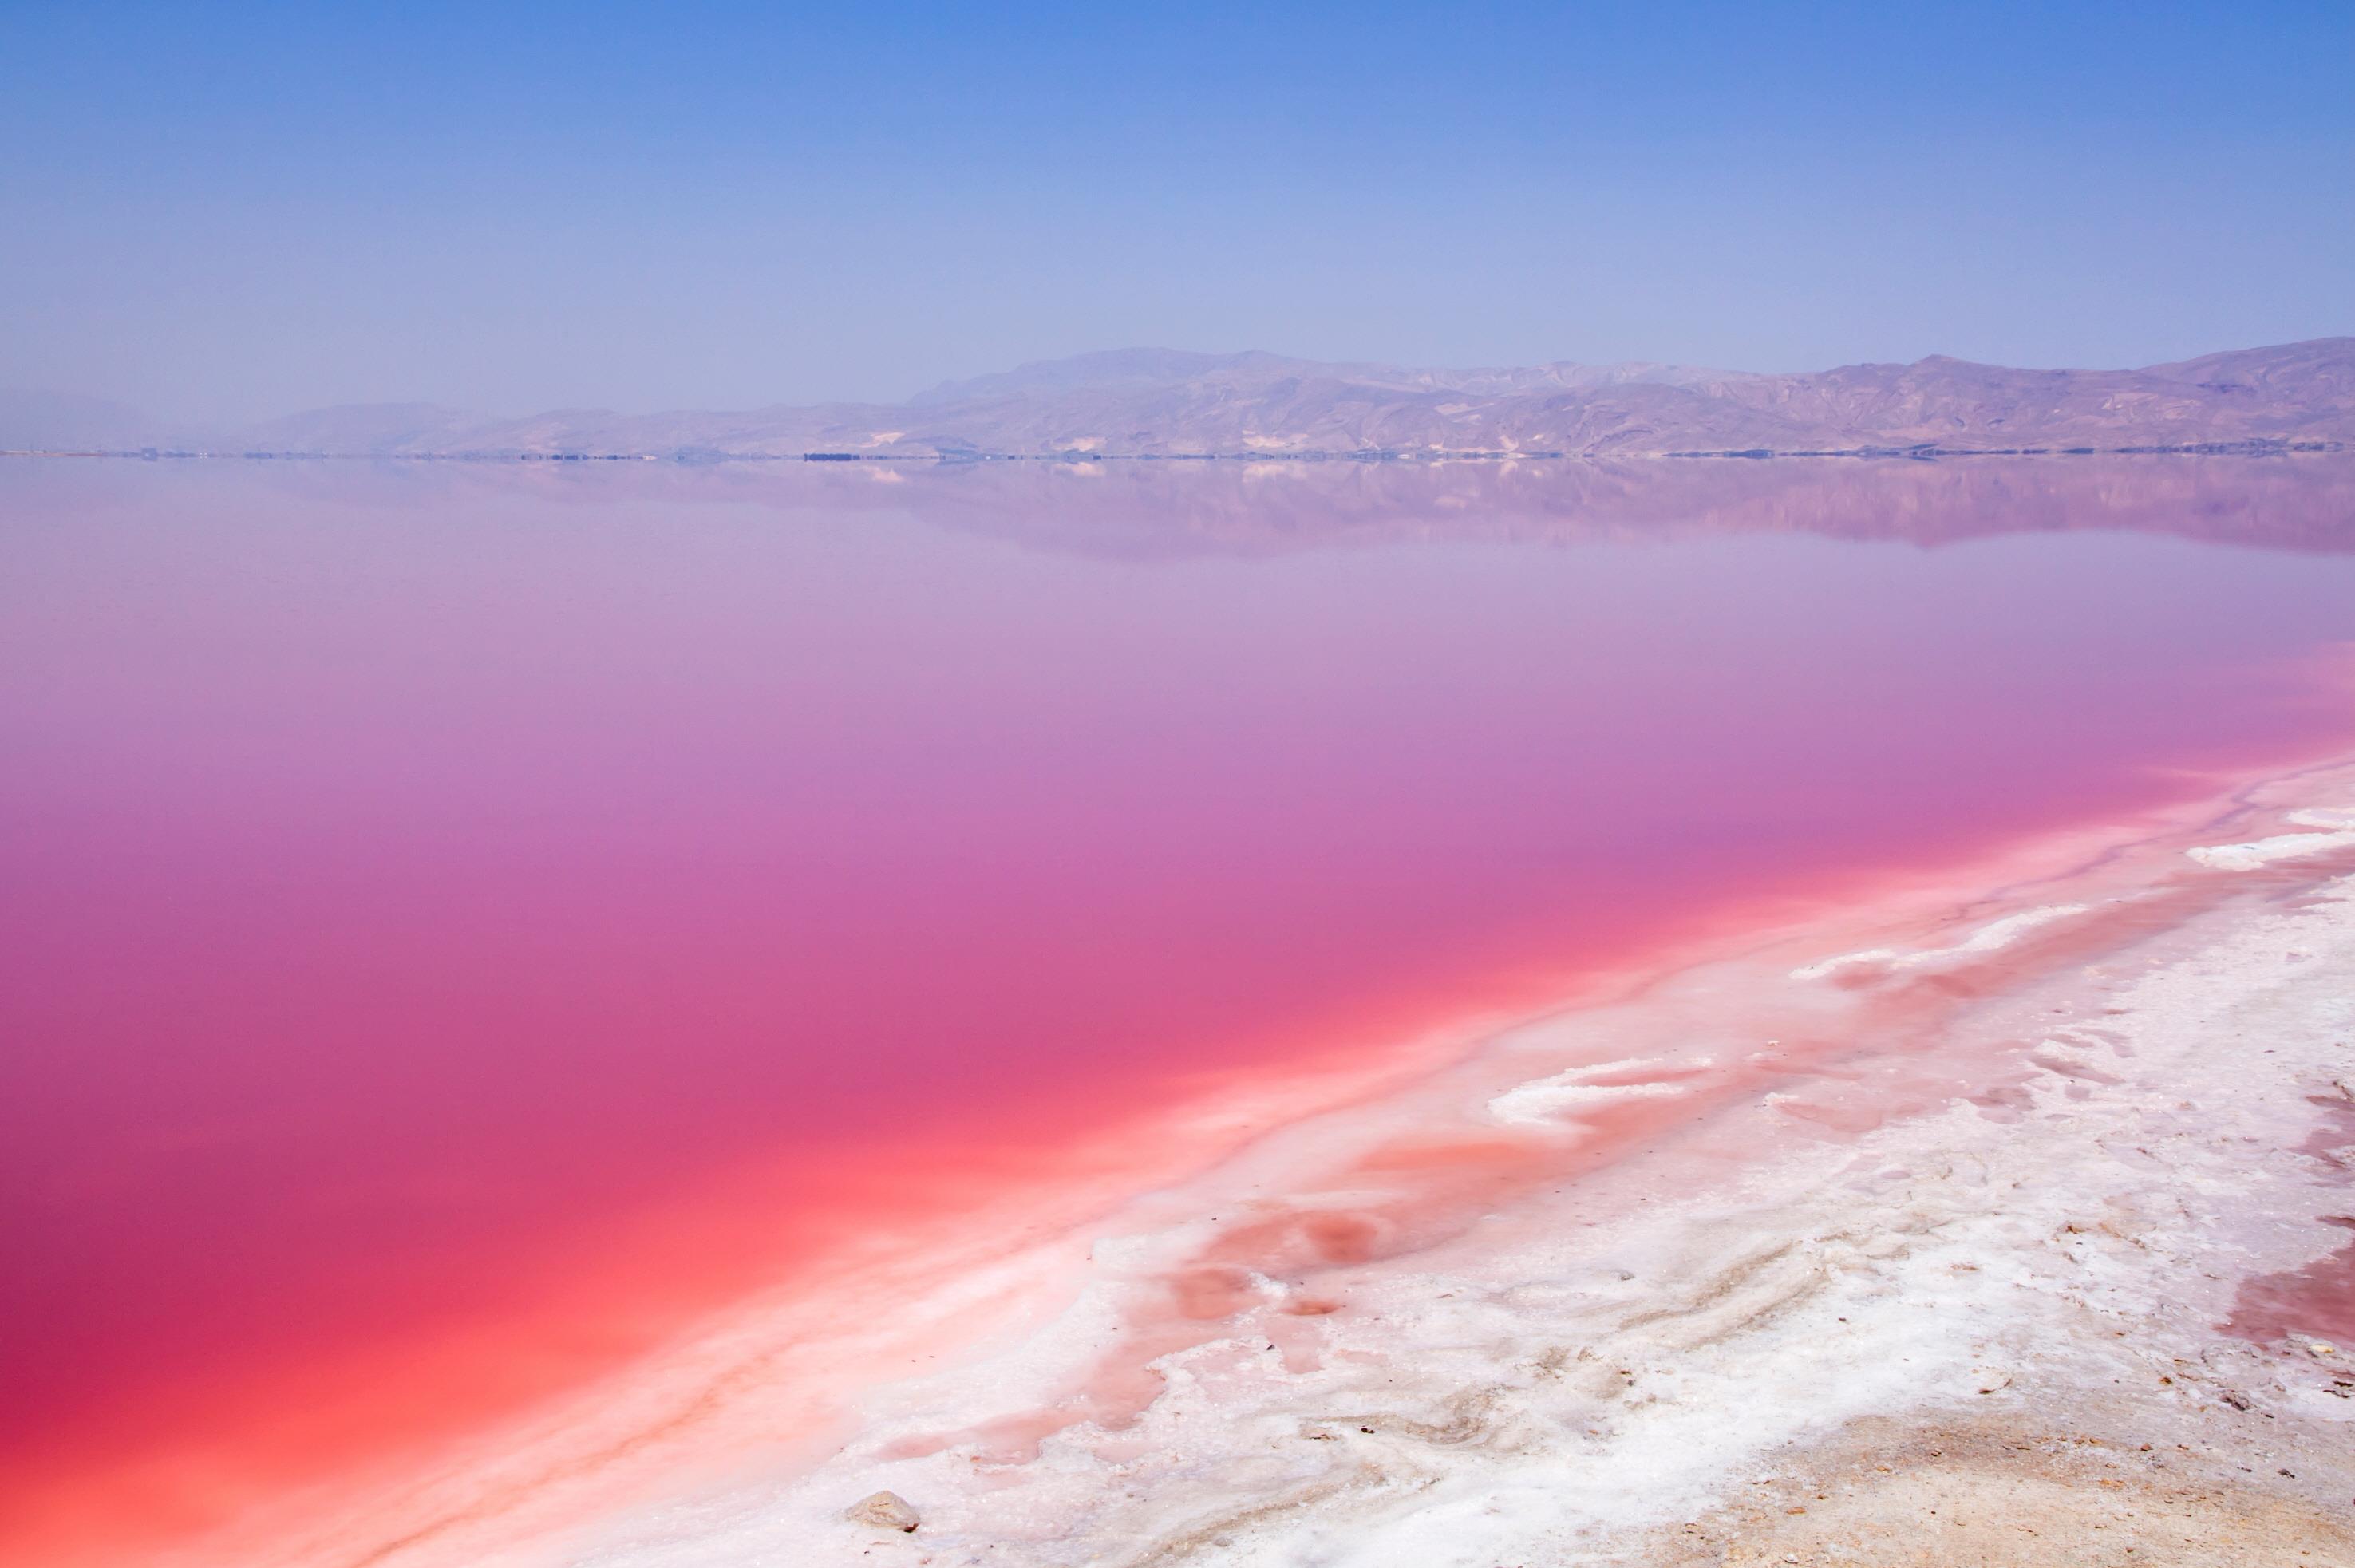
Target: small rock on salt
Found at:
x=884, y=1510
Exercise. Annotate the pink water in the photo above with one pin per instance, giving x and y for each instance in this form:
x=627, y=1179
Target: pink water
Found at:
x=459, y=922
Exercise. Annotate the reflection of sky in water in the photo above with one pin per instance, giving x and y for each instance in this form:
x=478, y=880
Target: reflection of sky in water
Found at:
x=401, y=868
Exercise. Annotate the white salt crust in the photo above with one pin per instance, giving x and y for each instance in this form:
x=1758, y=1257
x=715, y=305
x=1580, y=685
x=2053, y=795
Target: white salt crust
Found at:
x=1989, y=938
x=1546, y=1098
x=2340, y=834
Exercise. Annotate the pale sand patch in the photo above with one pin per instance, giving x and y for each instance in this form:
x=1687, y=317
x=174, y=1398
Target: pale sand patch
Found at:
x=2016, y=1494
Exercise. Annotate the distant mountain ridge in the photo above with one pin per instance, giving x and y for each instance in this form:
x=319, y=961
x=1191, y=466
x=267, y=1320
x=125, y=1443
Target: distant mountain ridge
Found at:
x=1154, y=402
x=1131, y=368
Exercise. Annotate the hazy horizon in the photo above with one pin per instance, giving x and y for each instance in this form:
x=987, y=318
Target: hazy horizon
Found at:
x=19, y=400
x=226, y=217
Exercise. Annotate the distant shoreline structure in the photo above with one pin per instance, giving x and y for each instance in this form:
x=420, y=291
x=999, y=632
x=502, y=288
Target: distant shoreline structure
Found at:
x=1166, y=405
x=1862, y=454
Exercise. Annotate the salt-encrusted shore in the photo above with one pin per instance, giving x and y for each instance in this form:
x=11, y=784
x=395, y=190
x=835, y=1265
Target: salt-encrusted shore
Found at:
x=2000, y=1221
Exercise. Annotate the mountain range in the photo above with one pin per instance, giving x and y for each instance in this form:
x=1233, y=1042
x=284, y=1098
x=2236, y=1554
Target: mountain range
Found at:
x=1167, y=403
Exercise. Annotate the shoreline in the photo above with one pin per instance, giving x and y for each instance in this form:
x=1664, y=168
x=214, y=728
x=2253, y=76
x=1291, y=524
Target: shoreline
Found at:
x=1563, y=1232
x=1919, y=452
x=1952, y=1180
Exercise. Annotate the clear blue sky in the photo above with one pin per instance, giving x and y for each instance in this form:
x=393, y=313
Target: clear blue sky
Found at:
x=225, y=211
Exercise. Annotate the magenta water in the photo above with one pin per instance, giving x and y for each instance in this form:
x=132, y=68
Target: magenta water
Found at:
x=427, y=890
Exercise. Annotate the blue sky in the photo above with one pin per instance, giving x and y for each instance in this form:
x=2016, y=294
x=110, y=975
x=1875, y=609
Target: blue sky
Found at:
x=224, y=211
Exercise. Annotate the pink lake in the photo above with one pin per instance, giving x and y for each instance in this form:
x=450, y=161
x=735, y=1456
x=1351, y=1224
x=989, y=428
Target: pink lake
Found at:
x=460, y=922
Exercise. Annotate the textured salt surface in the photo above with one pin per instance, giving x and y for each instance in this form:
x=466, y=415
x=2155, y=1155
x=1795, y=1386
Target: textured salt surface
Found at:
x=2035, y=1172
x=2009, y=1157
x=1995, y=934
x=2339, y=835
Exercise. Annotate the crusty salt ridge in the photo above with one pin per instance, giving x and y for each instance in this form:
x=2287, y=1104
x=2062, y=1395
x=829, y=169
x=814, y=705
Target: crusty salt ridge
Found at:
x=1928, y=1243
x=1987, y=939
x=2338, y=833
